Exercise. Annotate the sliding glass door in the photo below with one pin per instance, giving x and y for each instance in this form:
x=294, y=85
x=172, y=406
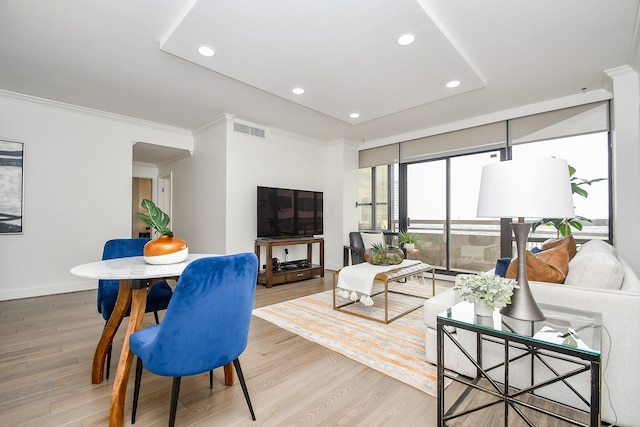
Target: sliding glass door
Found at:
x=442, y=196
x=475, y=242
x=427, y=209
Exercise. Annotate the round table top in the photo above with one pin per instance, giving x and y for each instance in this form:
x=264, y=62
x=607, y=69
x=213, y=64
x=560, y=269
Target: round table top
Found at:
x=132, y=268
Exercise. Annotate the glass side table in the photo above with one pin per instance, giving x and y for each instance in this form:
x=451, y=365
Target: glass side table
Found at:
x=567, y=335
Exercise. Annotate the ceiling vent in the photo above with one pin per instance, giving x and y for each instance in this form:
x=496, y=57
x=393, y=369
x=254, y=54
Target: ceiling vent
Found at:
x=249, y=130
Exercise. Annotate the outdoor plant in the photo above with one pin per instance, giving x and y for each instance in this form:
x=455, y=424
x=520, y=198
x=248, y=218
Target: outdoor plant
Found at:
x=155, y=218
x=564, y=225
x=404, y=238
x=486, y=288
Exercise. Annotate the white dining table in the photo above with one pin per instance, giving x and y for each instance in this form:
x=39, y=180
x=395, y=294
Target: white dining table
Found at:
x=136, y=279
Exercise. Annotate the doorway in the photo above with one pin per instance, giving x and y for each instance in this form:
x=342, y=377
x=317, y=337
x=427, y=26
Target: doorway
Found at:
x=165, y=194
x=141, y=189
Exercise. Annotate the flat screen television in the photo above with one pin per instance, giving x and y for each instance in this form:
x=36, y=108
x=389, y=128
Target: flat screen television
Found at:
x=284, y=212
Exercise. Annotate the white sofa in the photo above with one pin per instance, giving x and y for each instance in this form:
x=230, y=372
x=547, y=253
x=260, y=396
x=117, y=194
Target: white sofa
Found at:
x=608, y=286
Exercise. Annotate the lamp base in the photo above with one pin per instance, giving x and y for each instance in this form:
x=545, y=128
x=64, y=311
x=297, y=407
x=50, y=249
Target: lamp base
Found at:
x=523, y=306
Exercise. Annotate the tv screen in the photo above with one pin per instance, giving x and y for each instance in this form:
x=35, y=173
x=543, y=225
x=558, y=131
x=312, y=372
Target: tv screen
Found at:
x=286, y=212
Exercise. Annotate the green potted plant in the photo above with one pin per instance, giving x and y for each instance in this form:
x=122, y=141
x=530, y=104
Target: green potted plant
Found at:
x=166, y=249
x=409, y=241
x=563, y=225
x=487, y=291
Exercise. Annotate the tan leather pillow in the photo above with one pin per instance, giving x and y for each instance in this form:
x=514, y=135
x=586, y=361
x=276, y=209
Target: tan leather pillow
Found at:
x=550, y=266
x=568, y=241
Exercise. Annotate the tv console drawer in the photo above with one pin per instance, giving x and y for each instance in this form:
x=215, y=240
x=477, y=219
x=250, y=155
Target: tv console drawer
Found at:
x=299, y=275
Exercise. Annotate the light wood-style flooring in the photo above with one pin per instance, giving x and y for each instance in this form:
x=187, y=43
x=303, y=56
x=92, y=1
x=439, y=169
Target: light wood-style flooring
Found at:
x=47, y=344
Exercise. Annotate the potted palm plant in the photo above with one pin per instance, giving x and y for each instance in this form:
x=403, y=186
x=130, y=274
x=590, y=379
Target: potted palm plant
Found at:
x=563, y=226
x=409, y=241
x=487, y=291
x=166, y=249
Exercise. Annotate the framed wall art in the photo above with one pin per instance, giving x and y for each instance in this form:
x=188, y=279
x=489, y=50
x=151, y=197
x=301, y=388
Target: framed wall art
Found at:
x=11, y=186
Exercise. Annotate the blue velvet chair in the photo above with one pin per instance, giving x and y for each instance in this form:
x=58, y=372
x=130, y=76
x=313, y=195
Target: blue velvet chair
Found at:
x=159, y=295
x=206, y=325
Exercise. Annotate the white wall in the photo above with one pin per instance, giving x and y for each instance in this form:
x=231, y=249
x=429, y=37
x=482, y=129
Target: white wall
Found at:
x=219, y=185
x=78, y=171
x=198, y=195
x=344, y=156
x=626, y=158
x=280, y=160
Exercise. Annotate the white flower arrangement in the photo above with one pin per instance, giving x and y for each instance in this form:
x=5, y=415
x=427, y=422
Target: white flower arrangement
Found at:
x=486, y=288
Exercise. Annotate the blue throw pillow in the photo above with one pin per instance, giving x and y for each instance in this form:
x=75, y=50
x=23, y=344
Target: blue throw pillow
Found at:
x=503, y=263
x=501, y=266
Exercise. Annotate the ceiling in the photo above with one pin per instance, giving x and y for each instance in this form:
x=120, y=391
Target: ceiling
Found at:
x=139, y=58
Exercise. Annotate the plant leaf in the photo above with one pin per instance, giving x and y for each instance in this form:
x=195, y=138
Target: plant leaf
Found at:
x=155, y=218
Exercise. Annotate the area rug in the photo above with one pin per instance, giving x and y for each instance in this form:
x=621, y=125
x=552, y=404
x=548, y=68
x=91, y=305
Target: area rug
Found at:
x=395, y=349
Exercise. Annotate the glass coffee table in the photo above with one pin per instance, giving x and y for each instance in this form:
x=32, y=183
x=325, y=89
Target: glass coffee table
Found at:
x=559, y=352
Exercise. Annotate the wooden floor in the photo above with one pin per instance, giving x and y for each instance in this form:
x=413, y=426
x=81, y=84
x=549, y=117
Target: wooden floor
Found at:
x=47, y=344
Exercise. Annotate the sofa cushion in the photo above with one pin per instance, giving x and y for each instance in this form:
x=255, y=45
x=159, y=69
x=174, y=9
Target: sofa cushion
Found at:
x=630, y=283
x=568, y=241
x=596, y=265
x=436, y=305
x=370, y=239
x=550, y=265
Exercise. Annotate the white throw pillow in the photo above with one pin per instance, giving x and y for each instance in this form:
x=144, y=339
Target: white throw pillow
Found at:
x=595, y=266
x=598, y=245
x=369, y=239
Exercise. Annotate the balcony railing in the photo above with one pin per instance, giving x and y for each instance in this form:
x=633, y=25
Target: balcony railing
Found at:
x=474, y=245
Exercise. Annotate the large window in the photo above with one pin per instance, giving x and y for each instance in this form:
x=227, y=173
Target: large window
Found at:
x=377, y=196
x=589, y=155
x=429, y=186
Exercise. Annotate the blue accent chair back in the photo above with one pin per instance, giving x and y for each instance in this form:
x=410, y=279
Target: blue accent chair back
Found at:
x=206, y=325
x=159, y=295
x=157, y=299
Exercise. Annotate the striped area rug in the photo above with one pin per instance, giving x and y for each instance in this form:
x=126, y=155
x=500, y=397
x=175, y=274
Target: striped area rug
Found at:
x=395, y=349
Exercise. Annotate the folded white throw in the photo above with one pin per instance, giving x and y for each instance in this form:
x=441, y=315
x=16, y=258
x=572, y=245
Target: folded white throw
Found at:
x=359, y=278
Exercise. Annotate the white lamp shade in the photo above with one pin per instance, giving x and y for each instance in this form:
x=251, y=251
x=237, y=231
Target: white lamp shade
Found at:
x=532, y=188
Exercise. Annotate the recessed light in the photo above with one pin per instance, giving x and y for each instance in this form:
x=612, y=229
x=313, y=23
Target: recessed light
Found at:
x=453, y=83
x=298, y=91
x=354, y=115
x=406, y=39
x=206, y=51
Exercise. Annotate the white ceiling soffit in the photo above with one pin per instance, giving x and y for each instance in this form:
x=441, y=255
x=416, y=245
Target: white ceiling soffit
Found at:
x=156, y=154
x=328, y=47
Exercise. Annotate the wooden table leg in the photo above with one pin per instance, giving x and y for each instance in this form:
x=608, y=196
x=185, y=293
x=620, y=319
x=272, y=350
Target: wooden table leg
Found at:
x=138, y=305
x=228, y=374
x=123, y=302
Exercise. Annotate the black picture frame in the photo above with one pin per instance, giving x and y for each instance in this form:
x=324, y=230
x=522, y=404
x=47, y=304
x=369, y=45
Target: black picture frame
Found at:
x=11, y=186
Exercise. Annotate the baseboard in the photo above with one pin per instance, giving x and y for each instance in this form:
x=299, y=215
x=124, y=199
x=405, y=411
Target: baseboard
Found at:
x=61, y=288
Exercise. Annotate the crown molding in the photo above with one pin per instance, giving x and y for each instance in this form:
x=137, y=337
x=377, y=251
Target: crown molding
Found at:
x=90, y=111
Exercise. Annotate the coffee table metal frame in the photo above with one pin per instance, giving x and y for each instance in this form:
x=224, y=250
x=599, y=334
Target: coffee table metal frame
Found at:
x=585, y=359
x=387, y=277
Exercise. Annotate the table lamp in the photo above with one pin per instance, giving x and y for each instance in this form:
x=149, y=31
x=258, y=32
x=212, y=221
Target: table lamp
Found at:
x=532, y=188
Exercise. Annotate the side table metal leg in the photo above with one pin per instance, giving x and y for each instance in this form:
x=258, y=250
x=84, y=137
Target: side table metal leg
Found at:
x=595, y=393
x=440, y=340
